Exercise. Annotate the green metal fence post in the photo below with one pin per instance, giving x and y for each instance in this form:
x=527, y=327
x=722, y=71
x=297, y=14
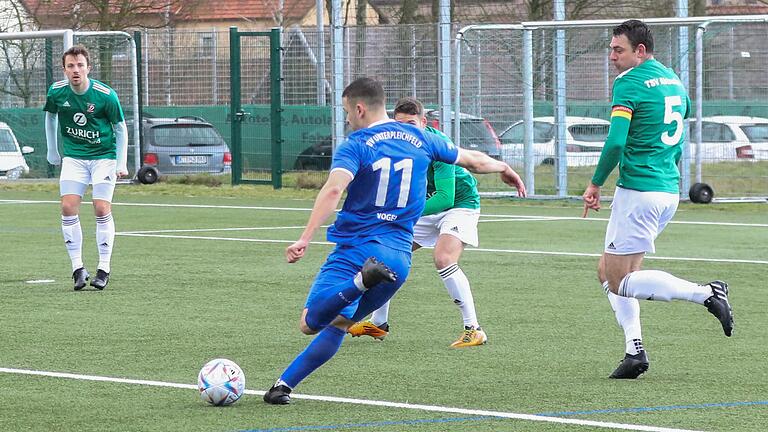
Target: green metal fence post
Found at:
x=234, y=69
x=276, y=78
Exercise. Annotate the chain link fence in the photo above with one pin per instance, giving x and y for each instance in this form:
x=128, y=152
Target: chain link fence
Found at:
x=187, y=73
x=732, y=155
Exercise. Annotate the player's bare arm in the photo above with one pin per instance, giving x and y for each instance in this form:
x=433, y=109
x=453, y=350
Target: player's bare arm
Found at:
x=325, y=204
x=481, y=163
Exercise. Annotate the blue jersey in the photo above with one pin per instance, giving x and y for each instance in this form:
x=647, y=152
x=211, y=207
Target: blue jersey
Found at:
x=388, y=163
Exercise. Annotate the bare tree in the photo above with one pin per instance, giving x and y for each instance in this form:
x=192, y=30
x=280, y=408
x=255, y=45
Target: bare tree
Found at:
x=106, y=15
x=361, y=18
x=408, y=11
x=109, y=15
x=20, y=57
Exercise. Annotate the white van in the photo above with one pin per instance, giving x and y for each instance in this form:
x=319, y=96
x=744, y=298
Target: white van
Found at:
x=12, y=163
x=584, y=140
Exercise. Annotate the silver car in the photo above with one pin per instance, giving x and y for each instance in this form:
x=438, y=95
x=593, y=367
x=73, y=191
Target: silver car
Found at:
x=182, y=145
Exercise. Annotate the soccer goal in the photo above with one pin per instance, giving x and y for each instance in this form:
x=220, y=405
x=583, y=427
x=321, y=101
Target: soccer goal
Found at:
x=33, y=64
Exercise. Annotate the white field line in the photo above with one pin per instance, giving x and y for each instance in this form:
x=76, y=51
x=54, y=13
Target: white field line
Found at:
x=517, y=218
x=167, y=205
x=504, y=217
x=513, y=251
x=433, y=408
x=215, y=238
x=218, y=229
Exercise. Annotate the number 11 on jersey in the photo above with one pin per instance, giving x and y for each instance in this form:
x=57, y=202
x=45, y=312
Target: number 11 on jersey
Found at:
x=384, y=164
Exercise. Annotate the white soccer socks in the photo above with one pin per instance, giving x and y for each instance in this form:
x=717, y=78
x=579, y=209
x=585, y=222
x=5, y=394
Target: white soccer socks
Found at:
x=457, y=284
x=380, y=316
x=73, y=239
x=659, y=285
x=105, y=239
x=627, y=312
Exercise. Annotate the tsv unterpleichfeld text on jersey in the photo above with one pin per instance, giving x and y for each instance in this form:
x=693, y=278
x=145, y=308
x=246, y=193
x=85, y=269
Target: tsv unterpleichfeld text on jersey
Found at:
x=394, y=135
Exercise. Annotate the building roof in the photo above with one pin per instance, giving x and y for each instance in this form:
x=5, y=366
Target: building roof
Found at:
x=201, y=10
x=251, y=9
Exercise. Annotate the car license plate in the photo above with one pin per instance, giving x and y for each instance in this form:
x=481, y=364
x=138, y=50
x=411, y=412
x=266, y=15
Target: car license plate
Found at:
x=191, y=160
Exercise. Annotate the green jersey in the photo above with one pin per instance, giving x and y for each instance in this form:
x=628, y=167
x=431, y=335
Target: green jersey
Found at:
x=653, y=99
x=440, y=176
x=85, y=121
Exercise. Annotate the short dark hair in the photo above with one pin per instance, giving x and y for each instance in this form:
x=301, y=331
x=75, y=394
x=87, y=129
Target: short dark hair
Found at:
x=409, y=105
x=637, y=32
x=367, y=90
x=75, y=51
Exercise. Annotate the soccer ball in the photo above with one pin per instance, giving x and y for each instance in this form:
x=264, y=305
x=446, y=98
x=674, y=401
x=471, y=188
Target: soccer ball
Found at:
x=221, y=382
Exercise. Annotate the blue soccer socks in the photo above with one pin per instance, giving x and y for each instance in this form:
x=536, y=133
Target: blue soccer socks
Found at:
x=320, y=350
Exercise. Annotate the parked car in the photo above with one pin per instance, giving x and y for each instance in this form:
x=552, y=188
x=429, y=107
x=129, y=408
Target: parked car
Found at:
x=316, y=157
x=585, y=137
x=182, y=145
x=725, y=138
x=476, y=133
x=12, y=162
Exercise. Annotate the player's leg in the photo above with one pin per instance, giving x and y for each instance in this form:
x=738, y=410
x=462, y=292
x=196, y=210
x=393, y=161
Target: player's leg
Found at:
x=104, y=177
x=660, y=285
x=458, y=227
x=645, y=214
x=322, y=348
x=627, y=312
x=341, y=282
x=72, y=184
x=377, y=326
x=327, y=342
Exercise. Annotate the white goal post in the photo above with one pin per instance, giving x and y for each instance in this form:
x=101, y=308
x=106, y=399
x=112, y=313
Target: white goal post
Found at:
x=68, y=37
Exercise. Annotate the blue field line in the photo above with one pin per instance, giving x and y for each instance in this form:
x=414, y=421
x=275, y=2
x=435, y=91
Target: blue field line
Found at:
x=648, y=409
x=480, y=418
x=373, y=424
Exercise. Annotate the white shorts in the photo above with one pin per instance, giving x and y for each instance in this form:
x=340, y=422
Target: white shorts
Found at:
x=637, y=218
x=77, y=174
x=458, y=222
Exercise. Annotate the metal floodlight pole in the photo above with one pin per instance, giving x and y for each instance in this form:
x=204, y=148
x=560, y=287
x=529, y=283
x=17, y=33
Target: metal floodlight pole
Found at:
x=529, y=163
x=682, y=50
x=444, y=42
x=337, y=39
x=561, y=157
x=320, y=52
x=456, y=135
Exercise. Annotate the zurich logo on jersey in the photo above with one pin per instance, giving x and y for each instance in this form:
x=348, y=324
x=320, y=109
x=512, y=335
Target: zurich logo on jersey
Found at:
x=80, y=119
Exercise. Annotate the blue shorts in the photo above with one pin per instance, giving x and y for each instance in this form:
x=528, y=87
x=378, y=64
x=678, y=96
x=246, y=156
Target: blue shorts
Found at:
x=345, y=262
